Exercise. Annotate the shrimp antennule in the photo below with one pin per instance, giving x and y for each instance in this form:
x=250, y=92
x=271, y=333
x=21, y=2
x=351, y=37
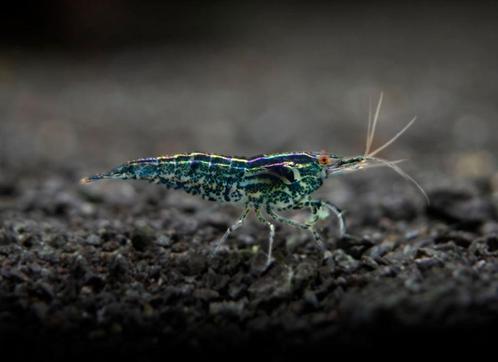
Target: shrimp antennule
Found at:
x=370, y=156
x=385, y=145
x=393, y=165
x=372, y=123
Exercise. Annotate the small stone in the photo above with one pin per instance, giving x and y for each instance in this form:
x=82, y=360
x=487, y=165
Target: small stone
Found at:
x=94, y=281
x=79, y=267
x=275, y=284
x=206, y=294
x=369, y=261
x=163, y=240
x=111, y=245
x=93, y=239
x=490, y=227
x=56, y=240
x=119, y=267
x=44, y=290
x=354, y=246
x=193, y=264
x=343, y=262
x=227, y=308
x=7, y=237
x=460, y=238
x=304, y=272
x=380, y=250
x=142, y=238
x=492, y=242
x=427, y=263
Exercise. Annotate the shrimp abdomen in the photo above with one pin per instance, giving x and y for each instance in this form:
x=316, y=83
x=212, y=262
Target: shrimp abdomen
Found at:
x=213, y=177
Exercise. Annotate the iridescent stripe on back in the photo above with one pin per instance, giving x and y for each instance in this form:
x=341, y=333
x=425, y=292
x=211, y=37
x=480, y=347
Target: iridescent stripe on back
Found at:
x=228, y=161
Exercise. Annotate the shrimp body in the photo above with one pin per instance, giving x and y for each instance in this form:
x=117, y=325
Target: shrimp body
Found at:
x=279, y=181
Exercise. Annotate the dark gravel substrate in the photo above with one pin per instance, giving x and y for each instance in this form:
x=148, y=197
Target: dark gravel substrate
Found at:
x=125, y=269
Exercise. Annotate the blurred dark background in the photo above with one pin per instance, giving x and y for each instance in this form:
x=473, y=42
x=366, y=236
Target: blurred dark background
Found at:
x=86, y=85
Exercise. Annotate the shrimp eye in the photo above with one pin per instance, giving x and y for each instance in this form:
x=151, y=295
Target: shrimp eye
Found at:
x=324, y=160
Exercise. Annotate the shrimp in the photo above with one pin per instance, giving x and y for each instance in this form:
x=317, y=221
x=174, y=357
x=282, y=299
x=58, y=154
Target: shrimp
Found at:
x=265, y=184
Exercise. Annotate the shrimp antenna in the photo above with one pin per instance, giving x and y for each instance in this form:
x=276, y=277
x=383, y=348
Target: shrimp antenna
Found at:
x=369, y=129
x=385, y=145
x=372, y=124
x=402, y=173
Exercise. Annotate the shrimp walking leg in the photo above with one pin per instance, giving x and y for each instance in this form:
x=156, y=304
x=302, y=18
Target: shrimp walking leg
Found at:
x=306, y=226
x=318, y=206
x=262, y=219
x=232, y=228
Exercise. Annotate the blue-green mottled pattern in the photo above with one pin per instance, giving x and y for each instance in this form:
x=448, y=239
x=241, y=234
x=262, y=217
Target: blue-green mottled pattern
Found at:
x=279, y=180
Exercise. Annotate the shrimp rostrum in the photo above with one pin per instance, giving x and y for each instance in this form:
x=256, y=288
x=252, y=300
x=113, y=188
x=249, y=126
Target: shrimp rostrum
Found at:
x=265, y=184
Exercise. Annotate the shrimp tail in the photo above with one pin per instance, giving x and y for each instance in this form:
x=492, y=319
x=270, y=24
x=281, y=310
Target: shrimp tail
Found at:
x=143, y=169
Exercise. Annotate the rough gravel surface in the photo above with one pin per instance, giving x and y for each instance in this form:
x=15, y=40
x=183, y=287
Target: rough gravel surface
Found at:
x=119, y=269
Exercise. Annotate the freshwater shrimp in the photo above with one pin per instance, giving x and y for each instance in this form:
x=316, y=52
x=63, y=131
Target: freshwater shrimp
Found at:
x=264, y=184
